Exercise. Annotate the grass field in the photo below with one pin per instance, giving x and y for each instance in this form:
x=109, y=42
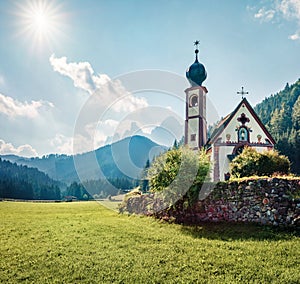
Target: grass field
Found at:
x=87, y=243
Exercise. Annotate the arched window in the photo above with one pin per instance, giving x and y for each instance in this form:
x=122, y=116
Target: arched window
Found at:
x=243, y=134
x=193, y=100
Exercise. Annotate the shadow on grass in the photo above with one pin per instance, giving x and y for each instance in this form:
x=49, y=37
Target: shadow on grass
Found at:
x=239, y=231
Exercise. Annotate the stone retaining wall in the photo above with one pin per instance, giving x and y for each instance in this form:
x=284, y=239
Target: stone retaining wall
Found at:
x=270, y=201
x=265, y=201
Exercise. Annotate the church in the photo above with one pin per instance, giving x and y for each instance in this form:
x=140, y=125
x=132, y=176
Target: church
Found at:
x=241, y=128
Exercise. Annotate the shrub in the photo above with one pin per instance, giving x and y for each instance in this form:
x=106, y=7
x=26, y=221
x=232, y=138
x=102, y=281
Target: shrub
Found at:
x=175, y=179
x=179, y=173
x=250, y=163
x=275, y=163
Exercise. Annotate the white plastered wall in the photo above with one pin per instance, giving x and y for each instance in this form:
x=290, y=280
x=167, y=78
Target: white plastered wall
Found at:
x=230, y=129
x=255, y=128
x=193, y=128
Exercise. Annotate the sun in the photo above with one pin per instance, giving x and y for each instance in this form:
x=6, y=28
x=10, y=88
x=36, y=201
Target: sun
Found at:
x=40, y=22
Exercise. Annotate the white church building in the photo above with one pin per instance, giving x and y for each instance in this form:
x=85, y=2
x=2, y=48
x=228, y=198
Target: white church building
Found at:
x=240, y=128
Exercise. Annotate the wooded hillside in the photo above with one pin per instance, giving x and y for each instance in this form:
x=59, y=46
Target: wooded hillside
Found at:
x=281, y=114
x=22, y=182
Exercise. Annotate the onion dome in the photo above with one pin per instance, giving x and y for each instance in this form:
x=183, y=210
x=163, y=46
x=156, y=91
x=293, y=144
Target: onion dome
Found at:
x=196, y=73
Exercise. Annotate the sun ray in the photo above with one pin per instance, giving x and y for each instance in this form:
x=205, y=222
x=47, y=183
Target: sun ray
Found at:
x=40, y=22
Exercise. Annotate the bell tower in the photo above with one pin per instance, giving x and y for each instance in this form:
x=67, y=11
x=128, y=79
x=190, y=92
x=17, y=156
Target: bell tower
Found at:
x=195, y=122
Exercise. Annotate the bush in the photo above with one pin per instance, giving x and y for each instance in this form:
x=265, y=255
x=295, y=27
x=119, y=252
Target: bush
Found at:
x=178, y=174
x=175, y=179
x=250, y=163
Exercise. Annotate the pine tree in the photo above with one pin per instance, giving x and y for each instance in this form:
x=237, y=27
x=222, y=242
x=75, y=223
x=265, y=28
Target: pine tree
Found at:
x=144, y=183
x=296, y=114
x=281, y=115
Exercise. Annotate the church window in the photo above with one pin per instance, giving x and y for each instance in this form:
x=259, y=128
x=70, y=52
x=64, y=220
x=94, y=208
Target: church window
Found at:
x=193, y=101
x=243, y=134
x=193, y=137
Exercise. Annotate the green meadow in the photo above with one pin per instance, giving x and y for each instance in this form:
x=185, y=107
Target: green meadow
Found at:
x=85, y=242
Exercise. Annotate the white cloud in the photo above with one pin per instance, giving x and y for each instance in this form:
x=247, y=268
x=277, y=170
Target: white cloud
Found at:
x=94, y=135
x=111, y=93
x=289, y=8
x=82, y=143
x=13, y=108
x=295, y=36
x=99, y=132
x=62, y=144
x=129, y=103
x=81, y=73
x=264, y=14
x=23, y=150
x=286, y=9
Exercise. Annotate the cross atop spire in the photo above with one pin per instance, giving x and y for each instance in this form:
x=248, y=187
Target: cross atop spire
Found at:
x=242, y=92
x=196, y=43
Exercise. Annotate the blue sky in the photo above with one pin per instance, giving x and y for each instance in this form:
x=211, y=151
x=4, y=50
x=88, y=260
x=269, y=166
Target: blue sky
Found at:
x=64, y=65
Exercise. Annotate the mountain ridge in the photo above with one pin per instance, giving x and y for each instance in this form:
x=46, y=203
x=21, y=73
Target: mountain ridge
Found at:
x=125, y=157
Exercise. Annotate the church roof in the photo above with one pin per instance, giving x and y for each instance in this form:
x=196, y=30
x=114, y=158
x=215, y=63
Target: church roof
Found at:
x=225, y=121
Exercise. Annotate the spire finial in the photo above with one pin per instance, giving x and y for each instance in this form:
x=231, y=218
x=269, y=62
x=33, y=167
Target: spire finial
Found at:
x=196, y=43
x=242, y=92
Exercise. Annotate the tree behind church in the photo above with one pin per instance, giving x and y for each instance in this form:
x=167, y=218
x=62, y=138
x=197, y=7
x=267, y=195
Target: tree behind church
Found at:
x=281, y=115
x=252, y=163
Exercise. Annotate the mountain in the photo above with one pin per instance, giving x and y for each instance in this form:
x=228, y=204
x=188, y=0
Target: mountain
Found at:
x=26, y=183
x=281, y=115
x=124, y=158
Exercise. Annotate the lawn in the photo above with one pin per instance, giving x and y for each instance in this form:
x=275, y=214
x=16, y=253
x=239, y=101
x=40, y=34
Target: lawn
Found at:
x=85, y=242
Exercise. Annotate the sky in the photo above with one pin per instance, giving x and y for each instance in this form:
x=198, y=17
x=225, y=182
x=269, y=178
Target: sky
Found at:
x=78, y=74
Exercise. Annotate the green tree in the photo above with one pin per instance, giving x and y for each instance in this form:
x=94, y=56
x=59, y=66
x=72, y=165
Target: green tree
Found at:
x=178, y=174
x=144, y=182
x=175, y=144
x=22, y=182
x=250, y=162
x=296, y=114
x=281, y=114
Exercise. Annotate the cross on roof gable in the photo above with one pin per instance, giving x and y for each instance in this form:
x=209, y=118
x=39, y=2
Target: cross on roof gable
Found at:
x=223, y=123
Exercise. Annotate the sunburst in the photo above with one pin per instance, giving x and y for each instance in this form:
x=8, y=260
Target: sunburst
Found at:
x=41, y=22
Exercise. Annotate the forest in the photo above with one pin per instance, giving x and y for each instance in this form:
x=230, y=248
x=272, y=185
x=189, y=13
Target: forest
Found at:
x=100, y=188
x=22, y=182
x=281, y=115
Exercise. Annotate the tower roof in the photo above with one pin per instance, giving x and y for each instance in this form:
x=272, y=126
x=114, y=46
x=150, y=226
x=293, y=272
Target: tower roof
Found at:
x=196, y=73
